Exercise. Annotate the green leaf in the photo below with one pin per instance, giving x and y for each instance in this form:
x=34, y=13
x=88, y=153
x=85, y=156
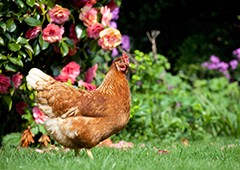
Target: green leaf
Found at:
x=79, y=30
x=16, y=61
x=44, y=45
x=32, y=21
x=238, y=17
x=8, y=101
x=20, y=3
x=35, y=130
x=27, y=46
x=84, y=33
x=11, y=26
x=1, y=41
x=8, y=36
x=64, y=48
x=10, y=67
x=94, y=46
x=29, y=50
x=21, y=53
x=21, y=40
x=14, y=47
x=69, y=42
x=42, y=129
x=28, y=116
x=3, y=57
x=30, y=2
x=3, y=26
x=30, y=54
x=36, y=49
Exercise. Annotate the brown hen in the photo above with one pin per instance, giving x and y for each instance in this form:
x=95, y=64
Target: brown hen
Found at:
x=81, y=119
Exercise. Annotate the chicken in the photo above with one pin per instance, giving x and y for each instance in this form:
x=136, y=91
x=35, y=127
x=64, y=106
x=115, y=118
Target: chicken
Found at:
x=82, y=119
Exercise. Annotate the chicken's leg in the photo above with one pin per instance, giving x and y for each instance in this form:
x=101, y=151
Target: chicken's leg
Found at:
x=89, y=153
x=76, y=152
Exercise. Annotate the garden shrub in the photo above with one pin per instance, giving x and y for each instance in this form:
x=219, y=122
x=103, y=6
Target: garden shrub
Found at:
x=169, y=107
x=63, y=39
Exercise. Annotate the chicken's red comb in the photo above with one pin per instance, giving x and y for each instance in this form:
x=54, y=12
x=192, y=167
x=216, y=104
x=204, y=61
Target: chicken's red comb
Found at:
x=125, y=57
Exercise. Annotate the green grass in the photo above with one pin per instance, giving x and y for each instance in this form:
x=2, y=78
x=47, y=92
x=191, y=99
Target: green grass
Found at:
x=207, y=155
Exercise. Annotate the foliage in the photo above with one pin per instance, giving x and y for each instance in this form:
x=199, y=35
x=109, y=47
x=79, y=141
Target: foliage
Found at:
x=11, y=140
x=168, y=107
x=213, y=154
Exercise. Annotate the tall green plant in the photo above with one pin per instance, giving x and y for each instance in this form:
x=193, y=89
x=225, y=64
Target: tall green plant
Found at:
x=168, y=107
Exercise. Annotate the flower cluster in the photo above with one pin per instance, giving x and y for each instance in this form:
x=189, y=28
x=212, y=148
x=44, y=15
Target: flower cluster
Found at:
x=5, y=82
x=109, y=37
x=53, y=32
x=71, y=71
x=237, y=53
x=216, y=64
x=100, y=23
x=125, y=42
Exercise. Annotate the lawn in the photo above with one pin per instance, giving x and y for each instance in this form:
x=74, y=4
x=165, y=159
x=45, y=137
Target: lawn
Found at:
x=215, y=154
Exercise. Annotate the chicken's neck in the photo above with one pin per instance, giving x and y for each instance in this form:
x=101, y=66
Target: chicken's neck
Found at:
x=113, y=82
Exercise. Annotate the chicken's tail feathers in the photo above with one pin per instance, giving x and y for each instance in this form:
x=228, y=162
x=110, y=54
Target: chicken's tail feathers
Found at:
x=36, y=78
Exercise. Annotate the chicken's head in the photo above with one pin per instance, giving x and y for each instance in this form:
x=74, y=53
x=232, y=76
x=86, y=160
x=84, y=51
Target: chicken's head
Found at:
x=122, y=63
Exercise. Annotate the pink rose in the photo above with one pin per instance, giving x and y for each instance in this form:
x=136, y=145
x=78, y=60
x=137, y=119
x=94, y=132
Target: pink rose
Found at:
x=91, y=74
x=72, y=69
x=109, y=38
x=38, y=115
x=58, y=14
x=4, y=84
x=20, y=106
x=69, y=72
x=94, y=30
x=64, y=78
x=88, y=15
x=33, y=32
x=87, y=86
x=106, y=16
x=52, y=33
x=17, y=80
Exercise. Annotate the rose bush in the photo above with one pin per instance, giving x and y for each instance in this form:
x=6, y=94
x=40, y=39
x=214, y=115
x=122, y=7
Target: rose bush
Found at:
x=64, y=39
